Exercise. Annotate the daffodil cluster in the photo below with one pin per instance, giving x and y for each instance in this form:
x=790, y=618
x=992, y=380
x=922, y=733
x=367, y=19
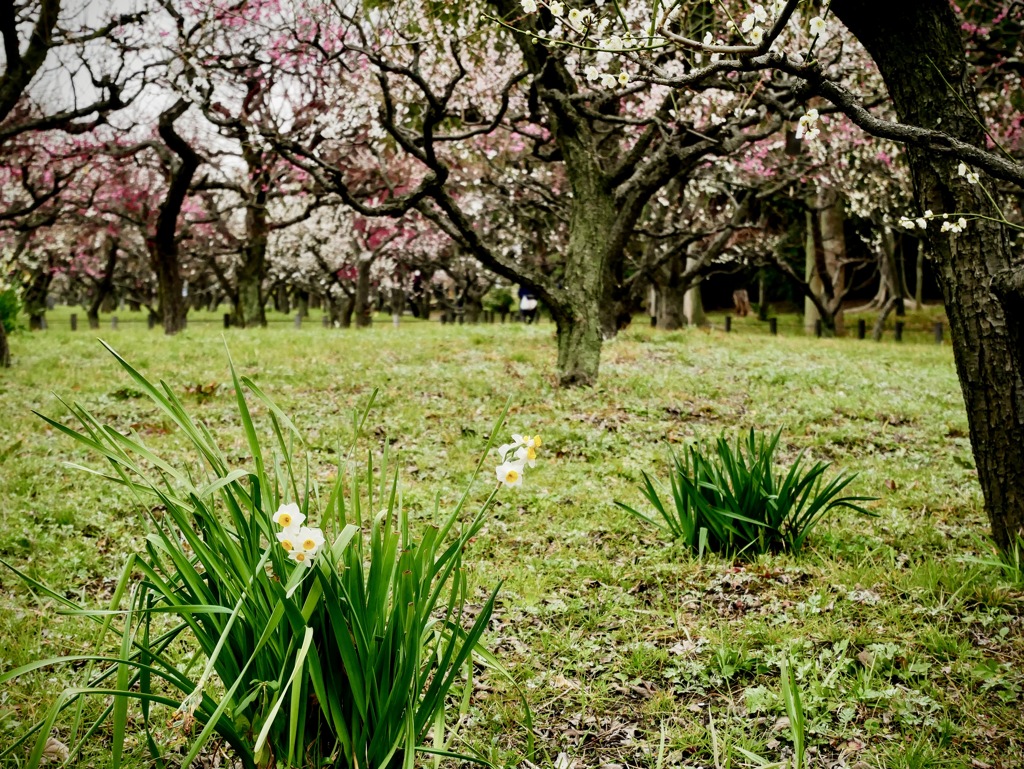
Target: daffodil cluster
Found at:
x=515, y=458
x=302, y=543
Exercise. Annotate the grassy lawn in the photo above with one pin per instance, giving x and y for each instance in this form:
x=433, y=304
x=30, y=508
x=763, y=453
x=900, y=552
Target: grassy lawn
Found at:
x=628, y=649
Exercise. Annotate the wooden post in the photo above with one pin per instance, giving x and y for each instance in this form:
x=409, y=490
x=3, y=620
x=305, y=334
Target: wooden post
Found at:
x=74, y=322
x=113, y=322
x=227, y=320
x=728, y=323
x=938, y=332
x=817, y=328
x=899, y=331
x=773, y=326
x=151, y=320
x=862, y=328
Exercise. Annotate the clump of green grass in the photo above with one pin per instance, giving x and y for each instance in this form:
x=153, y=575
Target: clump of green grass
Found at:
x=731, y=500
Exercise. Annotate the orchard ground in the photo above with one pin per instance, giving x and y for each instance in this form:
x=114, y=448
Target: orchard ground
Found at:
x=629, y=650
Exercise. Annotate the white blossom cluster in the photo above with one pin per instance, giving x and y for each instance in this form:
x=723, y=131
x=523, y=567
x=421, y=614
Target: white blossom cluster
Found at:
x=515, y=458
x=302, y=543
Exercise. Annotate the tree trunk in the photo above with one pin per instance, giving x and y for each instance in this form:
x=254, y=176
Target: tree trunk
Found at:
x=105, y=286
x=919, y=49
x=164, y=243
x=578, y=321
x=693, y=305
x=253, y=270
x=363, y=310
x=5, y=349
x=35, y=298
x=811, y=314
x=919, y=278
x=762, y=296
x=833, y=246
x=671, y=296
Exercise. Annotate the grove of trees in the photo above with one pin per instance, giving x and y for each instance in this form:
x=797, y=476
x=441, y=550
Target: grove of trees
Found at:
x=598, y=155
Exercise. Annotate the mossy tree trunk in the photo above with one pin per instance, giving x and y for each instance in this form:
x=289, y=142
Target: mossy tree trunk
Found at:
x=920, y=53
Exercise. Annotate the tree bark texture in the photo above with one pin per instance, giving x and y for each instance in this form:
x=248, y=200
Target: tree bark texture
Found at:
x=920, y=53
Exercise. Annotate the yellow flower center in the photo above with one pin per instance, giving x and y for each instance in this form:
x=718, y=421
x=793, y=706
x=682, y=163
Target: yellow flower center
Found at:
x=511, y=476
x=285, y=521
x=287, y=545
x=309, y=544
x=300, y=557
x=531, y=453
x=536, y=440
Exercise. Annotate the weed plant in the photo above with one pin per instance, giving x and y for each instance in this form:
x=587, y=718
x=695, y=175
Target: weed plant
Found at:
x=731, y=500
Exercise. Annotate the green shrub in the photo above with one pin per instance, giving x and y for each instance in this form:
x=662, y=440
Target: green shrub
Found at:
x=499, y=300
x=9, y=309
x=336, y=645
x=733, y=501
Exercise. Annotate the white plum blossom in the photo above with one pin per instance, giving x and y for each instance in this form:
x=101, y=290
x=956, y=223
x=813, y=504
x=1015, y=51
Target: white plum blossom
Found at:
x=756, y=35
x=592, y=73
x=818, y=26
x=760, y=14
x=969, y=175
x=623, y=78
x=806, y=127
x=530, y=6
x=578, y=17
x=557, y=9
x=607, y=80
x=954, y=227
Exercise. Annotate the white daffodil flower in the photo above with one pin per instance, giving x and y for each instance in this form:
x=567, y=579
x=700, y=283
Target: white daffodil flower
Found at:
x=289, y=515
x=310, y=540
x=302, y=558
x=526, y=455
x=510, y=474
x=289, y=538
